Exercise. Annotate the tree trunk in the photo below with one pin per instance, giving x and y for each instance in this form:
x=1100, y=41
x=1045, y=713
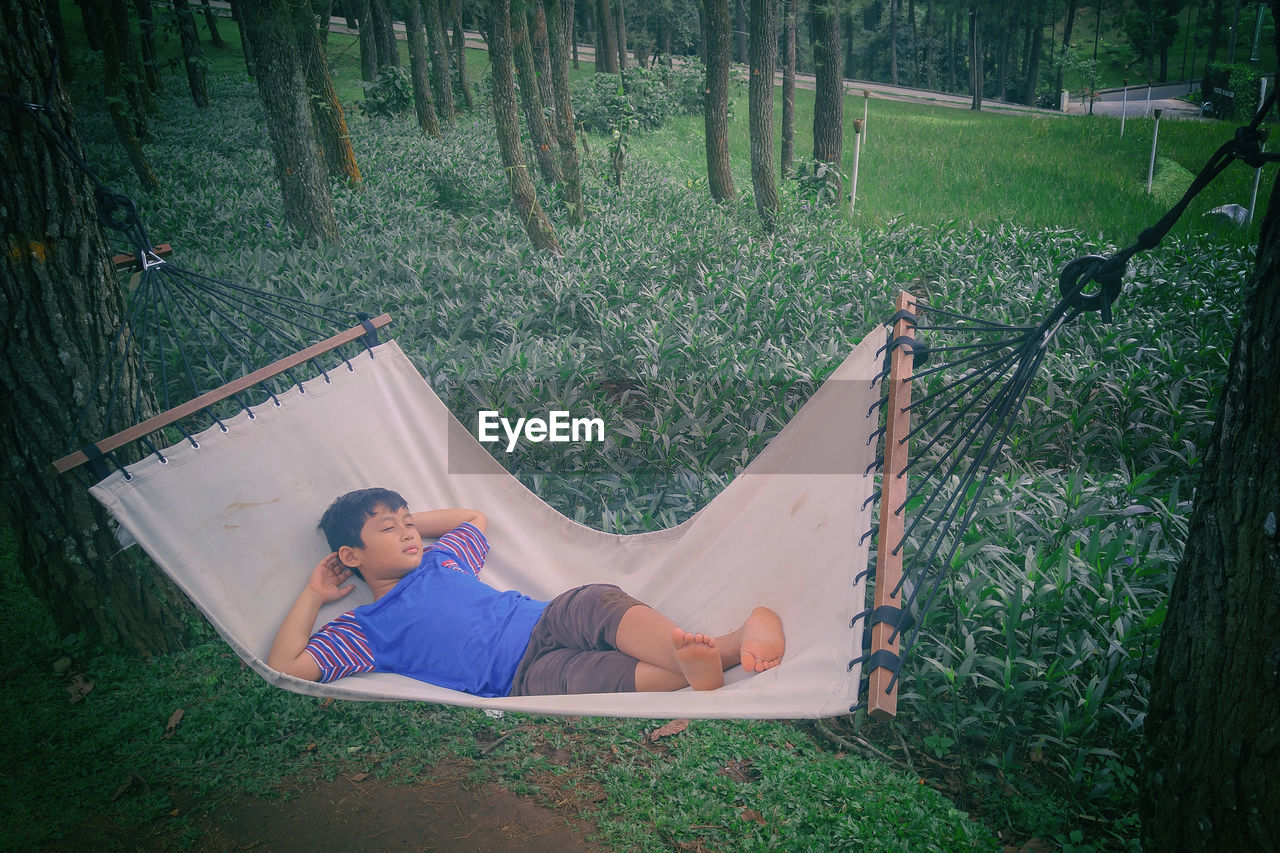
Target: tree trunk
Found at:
x=507, y=123
x=893, y=42
x=460, y=55
x=606, y=39
x=211, y=21
x=975, y=55
x=789, y=90
x=368, y=40
x=763, y=53
x=540, y=41
x=1036, y=12
x=53, y=12
x=125, y=121
x=192, y=56
x=62, y=302
x=739, y=32
x=122, y=67
x=620, y=24
x=424, y=104
x=147, y=41
x=327, y=117
x=828, y=100
x=441, y=76
x=238, y=16
x=287, y=106
x=1215, y=34
x=1066, y=44
x=531, y=98
x=1008, y=18
x=384, y=34
x=716, y=107
x=1211, y=776
x=559, y=32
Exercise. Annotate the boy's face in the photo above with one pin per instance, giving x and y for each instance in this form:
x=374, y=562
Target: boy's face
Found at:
x=392, y=546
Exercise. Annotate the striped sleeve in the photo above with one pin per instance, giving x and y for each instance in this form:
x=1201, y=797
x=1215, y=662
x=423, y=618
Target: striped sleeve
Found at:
x=467, y=545
x=341, y=648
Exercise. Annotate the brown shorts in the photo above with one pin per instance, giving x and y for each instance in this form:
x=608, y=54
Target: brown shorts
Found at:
x=573, y=646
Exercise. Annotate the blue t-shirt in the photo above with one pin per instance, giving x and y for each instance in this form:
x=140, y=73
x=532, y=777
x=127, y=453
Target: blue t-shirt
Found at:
x=440, y=624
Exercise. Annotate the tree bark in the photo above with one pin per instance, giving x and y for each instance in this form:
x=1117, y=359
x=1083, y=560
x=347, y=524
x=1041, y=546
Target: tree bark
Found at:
x=211, y=21
x=326, y=111
x=1211, y=778
x=558, y=30
x=606, y=39
x=539, y=39
x=828, y=102
x=238, y=16
x=716, y=107
x=893, y=42
x=438, y=43
x=536, y=224
x=739, y=32
x=192, y=56
x=460, y=54
x=1066, y=43
x=287, y=105
x=61, y=302
x=424, y=104
x=147, y=42
x=789, y=90
x=116, y=87
x=531, y=97
x=620, y=25
x=763, y=53
x=1037, y=47
x=368, y=40
x=975, y=54
x=384, y=34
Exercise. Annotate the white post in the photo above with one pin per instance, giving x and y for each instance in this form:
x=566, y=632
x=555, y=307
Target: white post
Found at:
x=857, y=153
x=1257, y=173
x=1151, y=169
x=1147, y=109
x=1124, y=106
x=1066, y=100
x=866, y=100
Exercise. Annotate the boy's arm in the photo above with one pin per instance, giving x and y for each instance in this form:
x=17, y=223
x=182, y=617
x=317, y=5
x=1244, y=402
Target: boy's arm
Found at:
x=288, y=653
x=438, y=522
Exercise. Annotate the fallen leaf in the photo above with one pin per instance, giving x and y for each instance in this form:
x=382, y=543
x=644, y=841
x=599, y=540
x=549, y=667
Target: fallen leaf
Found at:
x=752, y=815
x=134, y=779
x=674, y=727
x=79, y=687
x=740, y=771
x=61, y=665
x=359, y=777
x=172, y=726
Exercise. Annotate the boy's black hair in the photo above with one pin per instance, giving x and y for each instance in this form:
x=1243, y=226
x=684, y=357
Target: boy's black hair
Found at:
x=345, y=517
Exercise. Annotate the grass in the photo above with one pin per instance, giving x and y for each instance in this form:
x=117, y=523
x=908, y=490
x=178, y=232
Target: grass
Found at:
x=1024, y=699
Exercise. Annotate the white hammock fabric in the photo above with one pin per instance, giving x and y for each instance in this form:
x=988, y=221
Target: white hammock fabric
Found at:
x=233, y=522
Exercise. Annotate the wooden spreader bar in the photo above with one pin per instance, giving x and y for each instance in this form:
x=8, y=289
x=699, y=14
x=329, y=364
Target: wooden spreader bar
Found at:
x=882, y=702
x=130, y=262
x=205, y=400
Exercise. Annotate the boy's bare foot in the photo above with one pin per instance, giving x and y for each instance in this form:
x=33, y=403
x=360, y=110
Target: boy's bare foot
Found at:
x=762, y=640
x=698, y=658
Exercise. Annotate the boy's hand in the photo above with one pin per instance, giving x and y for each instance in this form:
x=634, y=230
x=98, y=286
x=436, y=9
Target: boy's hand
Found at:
x=327, y=578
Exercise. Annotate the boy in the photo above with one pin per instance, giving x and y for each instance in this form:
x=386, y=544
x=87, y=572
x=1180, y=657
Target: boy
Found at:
x=433, y=619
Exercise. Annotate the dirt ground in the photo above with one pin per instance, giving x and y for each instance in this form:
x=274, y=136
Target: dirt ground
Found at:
x=355, y=814
x=369, y=815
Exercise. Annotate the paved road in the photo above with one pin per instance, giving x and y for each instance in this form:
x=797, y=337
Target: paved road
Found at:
x=1165, y=96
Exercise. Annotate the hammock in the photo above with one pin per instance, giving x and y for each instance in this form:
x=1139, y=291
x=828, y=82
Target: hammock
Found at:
x=230, y=513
